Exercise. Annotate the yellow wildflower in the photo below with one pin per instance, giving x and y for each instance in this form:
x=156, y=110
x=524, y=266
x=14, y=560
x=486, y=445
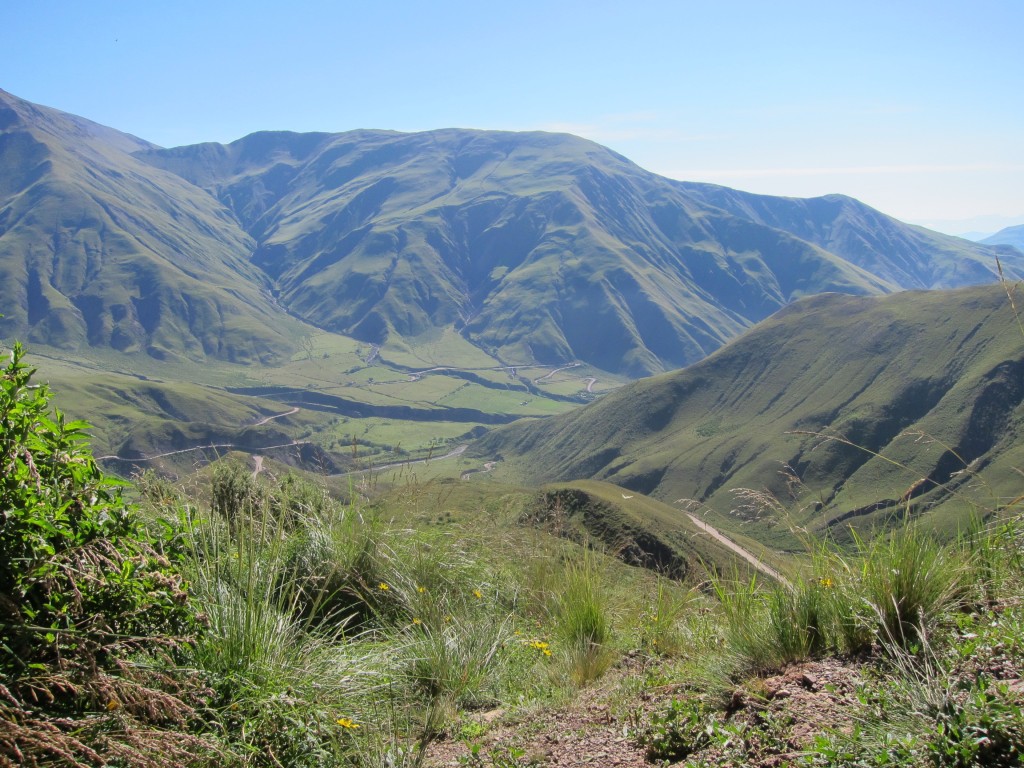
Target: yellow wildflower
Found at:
x=547, y=651
x=383, y=587
x=416, y=621
x=347, y=723
x=477, y=594
x=826, y=582
x=421, y=590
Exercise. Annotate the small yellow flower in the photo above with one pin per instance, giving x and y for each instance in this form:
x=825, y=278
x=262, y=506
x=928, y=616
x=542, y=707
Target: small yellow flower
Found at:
x=421, y=590
x=477, y=594
x=547, y=651
x=416, y=621
x=826, y=582
x=447, y=619
x=383, y=587
x=517, y=633
x=540, y=645
x=347, y=723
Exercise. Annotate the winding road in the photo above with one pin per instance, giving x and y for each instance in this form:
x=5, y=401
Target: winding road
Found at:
x=261, y=422
x=382, y=467
x=201, y=448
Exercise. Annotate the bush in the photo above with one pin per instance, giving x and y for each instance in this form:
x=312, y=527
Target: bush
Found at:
x=83, y=587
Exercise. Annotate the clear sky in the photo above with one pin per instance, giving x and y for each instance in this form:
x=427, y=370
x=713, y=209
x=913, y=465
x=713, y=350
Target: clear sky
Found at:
x=916, y=108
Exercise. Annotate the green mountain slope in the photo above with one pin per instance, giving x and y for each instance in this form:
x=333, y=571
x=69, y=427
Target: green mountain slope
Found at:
x=904, y=255
x=466, y=265
x=876, y=406
x=538, y=247
x=535, y=247
x=97, y=248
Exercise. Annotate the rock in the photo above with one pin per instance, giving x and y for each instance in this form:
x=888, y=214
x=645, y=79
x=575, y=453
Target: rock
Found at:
x=738, y=700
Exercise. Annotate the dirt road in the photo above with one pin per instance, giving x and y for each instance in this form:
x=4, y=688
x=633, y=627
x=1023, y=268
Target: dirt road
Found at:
x=381, y=467
x=748, y=556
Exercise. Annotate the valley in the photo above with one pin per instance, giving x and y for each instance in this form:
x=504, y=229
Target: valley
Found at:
x=493, y=449
x=409, y=292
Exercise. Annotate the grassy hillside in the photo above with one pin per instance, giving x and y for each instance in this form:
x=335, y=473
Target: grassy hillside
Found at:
x=526, y=243
x=849, y=410
x=902, y=254
x=100, y=250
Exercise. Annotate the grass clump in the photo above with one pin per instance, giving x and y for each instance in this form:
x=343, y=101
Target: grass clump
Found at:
x=581, y=614
x=909, y=580
x=769, y=627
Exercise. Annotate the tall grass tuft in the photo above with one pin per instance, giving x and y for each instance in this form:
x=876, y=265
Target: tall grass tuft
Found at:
x=908, y=579
x=461, y=659
x=582, y=620
x=661, y=629
x=288, y=685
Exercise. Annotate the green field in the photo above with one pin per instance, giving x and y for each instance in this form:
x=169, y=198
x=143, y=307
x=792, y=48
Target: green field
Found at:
x=396, y=402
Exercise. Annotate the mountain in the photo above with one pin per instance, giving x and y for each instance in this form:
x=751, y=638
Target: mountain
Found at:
x=845, y=408
x=535, y=247
x=905, y=255
x=100, y=249
x=542, y=246
x=1009, y=236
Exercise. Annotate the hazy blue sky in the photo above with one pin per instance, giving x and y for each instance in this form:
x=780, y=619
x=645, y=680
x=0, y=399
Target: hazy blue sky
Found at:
x=913, y=107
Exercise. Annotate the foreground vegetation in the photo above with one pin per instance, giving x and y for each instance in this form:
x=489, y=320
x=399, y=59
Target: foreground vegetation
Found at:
x=257, y=621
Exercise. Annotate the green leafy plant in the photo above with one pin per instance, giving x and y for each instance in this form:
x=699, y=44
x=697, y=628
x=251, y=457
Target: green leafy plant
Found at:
x=679, y=730
x=86, y=592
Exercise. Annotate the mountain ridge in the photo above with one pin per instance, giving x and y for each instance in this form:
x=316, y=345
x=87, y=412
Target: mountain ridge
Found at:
x=1007, y=236
x=534, y=246
x=97, y=248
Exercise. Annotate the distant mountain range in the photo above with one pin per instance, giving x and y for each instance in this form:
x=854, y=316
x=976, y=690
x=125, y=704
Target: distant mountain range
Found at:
x=534, y=246
x=1009, y=236
x=848, y=410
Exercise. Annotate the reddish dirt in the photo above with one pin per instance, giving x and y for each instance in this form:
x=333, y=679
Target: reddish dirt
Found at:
x=801, y=702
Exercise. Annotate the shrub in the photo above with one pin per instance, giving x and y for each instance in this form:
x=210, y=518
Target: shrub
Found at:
x=83, y=587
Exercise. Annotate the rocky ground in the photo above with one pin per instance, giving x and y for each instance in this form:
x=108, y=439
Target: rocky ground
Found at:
x=777, y=719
